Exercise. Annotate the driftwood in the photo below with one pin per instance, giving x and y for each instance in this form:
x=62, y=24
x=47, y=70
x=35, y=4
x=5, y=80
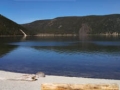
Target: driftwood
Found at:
x=26, y=77
x=53, y=86
x=29, y=77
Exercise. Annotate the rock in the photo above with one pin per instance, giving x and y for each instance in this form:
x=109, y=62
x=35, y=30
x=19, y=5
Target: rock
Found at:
x=40, y=74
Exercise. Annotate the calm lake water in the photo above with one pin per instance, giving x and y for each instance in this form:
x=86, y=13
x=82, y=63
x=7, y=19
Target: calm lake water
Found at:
x=95, y=57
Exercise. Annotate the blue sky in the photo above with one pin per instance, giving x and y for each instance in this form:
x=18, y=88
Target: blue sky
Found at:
x=24, y=11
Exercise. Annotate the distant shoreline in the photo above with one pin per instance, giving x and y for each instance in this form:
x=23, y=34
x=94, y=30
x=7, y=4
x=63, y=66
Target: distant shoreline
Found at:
x=60, y=35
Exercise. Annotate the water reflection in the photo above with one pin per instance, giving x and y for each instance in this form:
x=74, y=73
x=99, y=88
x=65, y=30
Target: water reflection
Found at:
x=4, y=47
x=91, y=56
x=23, y=38
x=81, y=48
x=71, y=45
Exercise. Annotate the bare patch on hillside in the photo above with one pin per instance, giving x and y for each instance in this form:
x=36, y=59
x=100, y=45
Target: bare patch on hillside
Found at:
x=84, y=30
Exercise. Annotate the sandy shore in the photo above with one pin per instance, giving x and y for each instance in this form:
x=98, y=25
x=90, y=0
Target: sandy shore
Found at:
x=6, y=82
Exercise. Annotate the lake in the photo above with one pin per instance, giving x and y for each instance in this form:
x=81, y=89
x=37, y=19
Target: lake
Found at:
x=93, y=56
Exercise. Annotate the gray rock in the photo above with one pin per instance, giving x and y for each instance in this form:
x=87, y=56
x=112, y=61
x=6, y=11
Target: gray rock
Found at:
x=40, y=74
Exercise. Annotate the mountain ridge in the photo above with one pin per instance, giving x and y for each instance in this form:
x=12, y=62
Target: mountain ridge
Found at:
x=92, y=24
x=68, y=25
x=9, y=27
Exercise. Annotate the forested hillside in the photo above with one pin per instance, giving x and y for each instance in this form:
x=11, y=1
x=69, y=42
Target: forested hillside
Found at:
x=104, y=24
x=79, y=25
x=8, y=27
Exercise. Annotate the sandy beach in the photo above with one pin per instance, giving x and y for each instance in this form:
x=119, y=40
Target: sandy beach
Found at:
x=9, y=81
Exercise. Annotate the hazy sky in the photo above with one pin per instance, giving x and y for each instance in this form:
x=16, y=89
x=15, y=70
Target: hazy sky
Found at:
x=24, y=11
